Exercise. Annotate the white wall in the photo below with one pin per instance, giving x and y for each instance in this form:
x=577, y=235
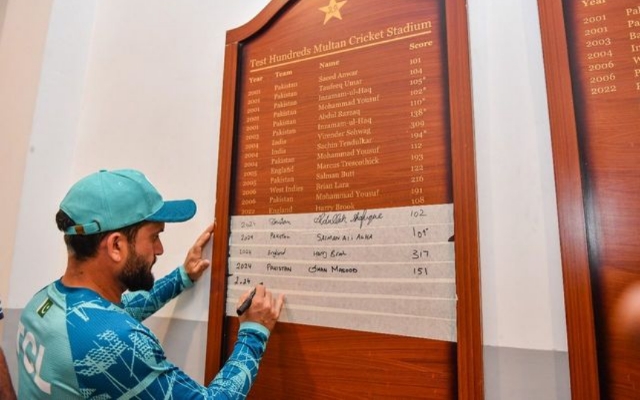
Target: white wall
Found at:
x=138, y=84
x=23, y=30
x=522, y=292
x=124, y=85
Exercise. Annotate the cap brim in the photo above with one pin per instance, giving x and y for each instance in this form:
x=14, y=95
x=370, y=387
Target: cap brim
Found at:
x=174, y=211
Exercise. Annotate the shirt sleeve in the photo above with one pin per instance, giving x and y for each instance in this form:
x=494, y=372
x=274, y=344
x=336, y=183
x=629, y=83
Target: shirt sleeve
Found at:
x=239, y=372
x=141, y=304
x=133, y=365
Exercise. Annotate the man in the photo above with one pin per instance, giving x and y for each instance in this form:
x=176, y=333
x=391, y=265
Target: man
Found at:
x=81, y=336
x=6, y=387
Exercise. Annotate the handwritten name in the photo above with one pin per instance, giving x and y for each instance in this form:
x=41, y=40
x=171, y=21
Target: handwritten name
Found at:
x=330, y=219
x=363, y=217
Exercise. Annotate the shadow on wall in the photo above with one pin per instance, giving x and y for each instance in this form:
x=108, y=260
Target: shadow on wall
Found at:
x=526, y=374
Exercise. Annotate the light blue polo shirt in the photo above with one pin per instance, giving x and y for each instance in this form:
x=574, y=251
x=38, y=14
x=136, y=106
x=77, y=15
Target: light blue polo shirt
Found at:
x=72, y=344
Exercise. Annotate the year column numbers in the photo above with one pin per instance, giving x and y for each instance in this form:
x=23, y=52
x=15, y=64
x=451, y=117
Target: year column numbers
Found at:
x=599, y=62
x=251, y=144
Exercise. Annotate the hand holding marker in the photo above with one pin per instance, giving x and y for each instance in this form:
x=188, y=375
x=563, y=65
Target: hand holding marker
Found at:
x=247, y=303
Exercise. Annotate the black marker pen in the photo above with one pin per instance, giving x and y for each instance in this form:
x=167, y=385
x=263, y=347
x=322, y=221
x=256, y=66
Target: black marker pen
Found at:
x=247, y=303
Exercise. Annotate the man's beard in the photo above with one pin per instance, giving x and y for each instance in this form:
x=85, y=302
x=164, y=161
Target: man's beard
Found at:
x=136, y=274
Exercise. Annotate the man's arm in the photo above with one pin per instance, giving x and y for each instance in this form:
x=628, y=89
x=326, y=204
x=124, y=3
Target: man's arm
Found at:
x=6, y=387
x=142, y=304
x=116, y=355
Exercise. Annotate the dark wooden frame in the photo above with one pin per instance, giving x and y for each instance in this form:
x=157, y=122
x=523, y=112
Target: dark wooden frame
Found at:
x=583, y=361
x=469, y=323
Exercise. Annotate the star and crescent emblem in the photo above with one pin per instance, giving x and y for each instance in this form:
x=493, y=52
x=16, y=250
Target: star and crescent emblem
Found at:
x=332, y=10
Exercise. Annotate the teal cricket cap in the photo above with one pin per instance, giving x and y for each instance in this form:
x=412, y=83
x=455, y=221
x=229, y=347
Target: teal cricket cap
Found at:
x=109, y=200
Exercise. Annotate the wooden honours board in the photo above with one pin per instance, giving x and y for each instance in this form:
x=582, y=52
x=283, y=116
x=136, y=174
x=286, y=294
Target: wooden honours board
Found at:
x=346, y=181
x=592, y=59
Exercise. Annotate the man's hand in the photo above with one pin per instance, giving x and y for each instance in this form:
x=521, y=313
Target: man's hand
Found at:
x=194, y=264
x=264, y=309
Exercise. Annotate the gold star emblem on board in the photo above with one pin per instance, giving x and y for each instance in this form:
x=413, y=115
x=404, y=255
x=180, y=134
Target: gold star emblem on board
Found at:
x=332, y=10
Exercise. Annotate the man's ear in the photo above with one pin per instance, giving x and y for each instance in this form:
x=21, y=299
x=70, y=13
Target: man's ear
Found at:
x=116, y=246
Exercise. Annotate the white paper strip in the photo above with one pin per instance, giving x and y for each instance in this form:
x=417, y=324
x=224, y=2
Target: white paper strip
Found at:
x=344, y=270
x=386, y=270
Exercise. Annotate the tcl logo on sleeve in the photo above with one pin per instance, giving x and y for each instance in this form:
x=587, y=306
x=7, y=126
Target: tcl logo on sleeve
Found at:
x=32, y=356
